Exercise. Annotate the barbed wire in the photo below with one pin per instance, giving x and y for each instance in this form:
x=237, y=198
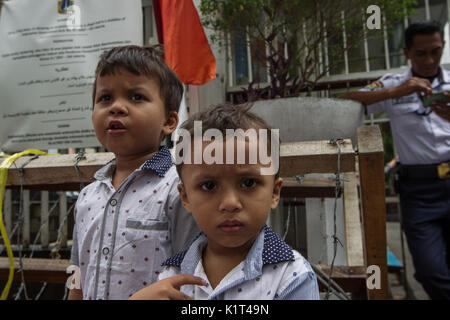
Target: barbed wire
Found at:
x=337, y=192
x=55, y=251
x=80, y=156
x=20, y=220
x=33, y=248
x=17, y=226
x=326, y=280
x=41, y=291
x=288, y=221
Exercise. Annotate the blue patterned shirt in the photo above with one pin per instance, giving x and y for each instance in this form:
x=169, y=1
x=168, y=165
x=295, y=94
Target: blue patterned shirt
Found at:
x=271, y=270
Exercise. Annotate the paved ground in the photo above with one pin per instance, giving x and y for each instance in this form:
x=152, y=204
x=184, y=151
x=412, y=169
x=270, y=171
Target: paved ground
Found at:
x=397, y=289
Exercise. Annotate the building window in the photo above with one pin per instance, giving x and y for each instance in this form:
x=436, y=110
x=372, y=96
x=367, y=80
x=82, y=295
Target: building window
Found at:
x=240, y=60
x=376, y=45
x=357, y=60
x=381, y=50
x=396, y=42
x=420, y=12
x=258, y=61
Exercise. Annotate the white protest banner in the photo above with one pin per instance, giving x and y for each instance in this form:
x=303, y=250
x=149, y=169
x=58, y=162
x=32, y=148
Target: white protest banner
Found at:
x=48, y=53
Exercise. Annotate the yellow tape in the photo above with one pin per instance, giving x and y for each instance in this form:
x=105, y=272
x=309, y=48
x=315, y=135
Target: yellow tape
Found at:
x=3, y=177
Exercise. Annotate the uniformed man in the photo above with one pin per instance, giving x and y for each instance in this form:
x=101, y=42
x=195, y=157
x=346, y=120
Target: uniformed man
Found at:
x=422, y=140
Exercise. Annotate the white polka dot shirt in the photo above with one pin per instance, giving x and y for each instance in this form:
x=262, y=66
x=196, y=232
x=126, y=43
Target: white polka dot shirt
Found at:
x=122, y=236
x=272, y=270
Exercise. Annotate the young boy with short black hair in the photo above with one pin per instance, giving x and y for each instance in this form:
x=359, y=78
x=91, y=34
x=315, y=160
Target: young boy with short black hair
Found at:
x=237, y=256
x=130, y=219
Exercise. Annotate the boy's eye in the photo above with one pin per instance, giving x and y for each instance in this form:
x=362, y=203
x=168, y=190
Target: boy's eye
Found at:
x=208, y=186
x=248, y=183
x=137, y=97
x=105, y=97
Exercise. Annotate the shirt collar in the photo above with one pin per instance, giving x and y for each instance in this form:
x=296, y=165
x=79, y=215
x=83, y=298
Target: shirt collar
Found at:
x=160, y=163
x=268, y=248
x=441, y=79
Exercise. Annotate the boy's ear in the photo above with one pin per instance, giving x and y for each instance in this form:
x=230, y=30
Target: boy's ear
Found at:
x=171, y=123
x=276, y=192
x=184, y=199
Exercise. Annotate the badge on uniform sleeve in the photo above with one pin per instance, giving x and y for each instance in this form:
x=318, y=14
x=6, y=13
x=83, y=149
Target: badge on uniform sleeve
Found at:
x=374, y=85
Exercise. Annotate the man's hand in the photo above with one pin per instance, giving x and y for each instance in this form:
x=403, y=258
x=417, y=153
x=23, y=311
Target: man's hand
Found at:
x=441, y=108
x=414, y=85
x=168, y=289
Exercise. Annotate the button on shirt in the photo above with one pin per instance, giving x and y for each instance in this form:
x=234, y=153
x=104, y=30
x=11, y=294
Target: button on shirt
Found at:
x=122, y=236
x=271, y=270
x=419, y=139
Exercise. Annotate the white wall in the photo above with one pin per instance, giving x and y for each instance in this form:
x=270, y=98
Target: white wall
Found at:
x=213, y=92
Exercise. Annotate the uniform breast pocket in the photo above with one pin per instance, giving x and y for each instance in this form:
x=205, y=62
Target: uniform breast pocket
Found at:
x=403, y=108
x=141, y=227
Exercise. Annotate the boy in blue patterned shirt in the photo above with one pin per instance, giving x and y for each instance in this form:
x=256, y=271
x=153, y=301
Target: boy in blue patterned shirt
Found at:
x=237, y=256
x=130, y=219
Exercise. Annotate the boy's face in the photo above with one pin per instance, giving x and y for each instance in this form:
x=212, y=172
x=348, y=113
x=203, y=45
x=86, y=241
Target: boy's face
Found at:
x=129, y=116
x=230, y=203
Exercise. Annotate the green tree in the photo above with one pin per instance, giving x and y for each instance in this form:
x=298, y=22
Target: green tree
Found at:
x=299, y=41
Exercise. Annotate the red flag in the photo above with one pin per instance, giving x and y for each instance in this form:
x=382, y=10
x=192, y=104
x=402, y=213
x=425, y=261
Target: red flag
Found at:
x=186, y=49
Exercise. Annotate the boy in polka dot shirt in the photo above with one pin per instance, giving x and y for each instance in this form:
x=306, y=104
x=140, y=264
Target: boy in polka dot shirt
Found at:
x=130, y=219
x=237, y=256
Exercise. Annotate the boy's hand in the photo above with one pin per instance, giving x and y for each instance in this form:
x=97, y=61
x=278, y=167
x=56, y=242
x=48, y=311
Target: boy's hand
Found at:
x=168, y=289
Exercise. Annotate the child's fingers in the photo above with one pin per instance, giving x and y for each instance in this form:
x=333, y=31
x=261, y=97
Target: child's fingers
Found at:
x=183, y=279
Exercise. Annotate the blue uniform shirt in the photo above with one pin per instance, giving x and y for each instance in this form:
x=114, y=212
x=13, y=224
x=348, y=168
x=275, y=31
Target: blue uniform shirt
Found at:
x=421, y=137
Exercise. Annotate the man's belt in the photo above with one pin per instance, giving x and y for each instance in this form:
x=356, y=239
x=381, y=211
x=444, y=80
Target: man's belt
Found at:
x=433, y=171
